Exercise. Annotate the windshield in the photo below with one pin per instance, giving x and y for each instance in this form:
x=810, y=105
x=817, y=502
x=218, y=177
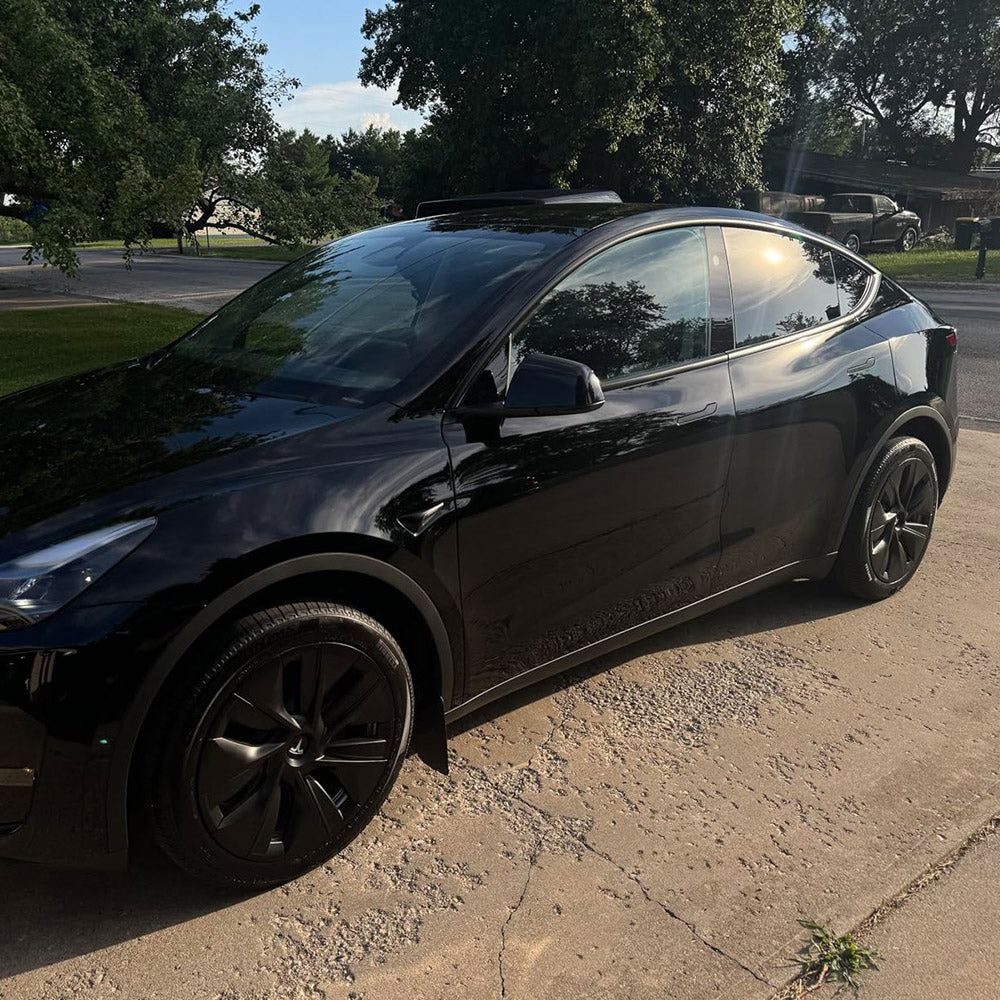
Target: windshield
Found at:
x=356, y=318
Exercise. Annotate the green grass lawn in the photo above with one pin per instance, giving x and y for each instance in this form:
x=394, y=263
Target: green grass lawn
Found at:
x=41, y=344
x=256, y=253
x=232, y=247
x=937, y=265
x=170, y=243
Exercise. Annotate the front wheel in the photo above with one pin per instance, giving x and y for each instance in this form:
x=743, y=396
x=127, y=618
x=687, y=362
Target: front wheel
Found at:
x=908, y=240
x=891, y=523
x=270, y=754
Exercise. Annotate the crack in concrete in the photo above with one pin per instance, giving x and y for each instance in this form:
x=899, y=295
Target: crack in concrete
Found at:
x=689, y=924
x=503, y=929
x=632, y=877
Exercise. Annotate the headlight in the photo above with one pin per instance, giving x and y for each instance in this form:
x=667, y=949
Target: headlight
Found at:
x=34, y=586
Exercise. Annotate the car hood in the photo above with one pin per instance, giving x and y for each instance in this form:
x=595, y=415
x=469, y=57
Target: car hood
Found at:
x=76, y=440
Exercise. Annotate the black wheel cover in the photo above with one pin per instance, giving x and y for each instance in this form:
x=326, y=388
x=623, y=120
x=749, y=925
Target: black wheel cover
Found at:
x=289, y=753
x=900, y=522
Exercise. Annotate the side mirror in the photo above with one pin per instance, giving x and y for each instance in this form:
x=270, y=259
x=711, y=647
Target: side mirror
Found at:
x=545, y=386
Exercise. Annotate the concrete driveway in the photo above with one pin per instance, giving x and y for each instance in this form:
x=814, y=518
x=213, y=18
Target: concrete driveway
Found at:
x=649, y=826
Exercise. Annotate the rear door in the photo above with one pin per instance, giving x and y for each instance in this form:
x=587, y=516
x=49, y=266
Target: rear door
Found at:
x=575, y=528
x=810, y=384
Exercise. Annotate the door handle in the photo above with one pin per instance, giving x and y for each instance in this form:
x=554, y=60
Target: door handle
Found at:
x=686, y=418
x=863, y=366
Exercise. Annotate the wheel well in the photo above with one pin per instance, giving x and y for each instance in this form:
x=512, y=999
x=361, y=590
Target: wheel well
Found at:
x=936, y=438
x=376, y=598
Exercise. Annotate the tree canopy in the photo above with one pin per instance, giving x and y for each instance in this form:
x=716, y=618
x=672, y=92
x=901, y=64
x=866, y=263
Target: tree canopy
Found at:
x=915, y=80
x=657, y=99
x=117, y=119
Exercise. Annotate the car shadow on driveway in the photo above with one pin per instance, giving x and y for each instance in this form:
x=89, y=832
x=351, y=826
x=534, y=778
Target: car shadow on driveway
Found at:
x=785, y=605
x=49, y=915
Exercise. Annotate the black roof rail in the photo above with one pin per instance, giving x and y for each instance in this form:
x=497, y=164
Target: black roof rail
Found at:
x=498, y=199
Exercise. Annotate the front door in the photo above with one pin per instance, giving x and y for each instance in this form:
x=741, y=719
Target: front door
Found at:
x=889, y=224
x=575, y=528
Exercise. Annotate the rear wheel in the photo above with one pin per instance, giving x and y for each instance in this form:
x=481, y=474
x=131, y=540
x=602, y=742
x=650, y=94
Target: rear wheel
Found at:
x=891, y=524
x=271, y=755
x=853, y=242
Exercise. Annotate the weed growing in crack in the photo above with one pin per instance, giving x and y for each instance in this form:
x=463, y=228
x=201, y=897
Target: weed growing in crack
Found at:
x=828, y=958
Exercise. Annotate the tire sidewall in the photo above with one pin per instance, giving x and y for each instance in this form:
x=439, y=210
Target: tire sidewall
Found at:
x=192, y=840
x=902, y=240
x=855, y=239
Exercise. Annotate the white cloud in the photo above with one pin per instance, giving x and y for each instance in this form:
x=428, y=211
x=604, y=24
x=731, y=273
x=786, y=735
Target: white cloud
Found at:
x=333, y=108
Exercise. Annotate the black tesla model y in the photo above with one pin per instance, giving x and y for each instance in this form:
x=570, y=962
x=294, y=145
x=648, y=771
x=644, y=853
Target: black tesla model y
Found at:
x=413, y=471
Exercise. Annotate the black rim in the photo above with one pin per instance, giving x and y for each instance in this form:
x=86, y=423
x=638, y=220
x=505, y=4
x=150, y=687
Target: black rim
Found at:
x=294, y=751
x=900, y=522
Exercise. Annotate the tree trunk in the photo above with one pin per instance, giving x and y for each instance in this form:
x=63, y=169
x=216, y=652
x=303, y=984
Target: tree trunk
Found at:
x=180, y=241
x=966, y=136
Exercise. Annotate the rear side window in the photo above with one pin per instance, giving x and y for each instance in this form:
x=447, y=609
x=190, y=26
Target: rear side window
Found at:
x=636, y=308
x=852, y=280
x=781, y=284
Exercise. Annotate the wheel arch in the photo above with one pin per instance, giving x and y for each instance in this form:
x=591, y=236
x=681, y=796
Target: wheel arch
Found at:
x=923, y=422
x=368, y=582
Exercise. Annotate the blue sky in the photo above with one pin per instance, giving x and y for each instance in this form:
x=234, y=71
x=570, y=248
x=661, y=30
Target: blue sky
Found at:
x=319, y=41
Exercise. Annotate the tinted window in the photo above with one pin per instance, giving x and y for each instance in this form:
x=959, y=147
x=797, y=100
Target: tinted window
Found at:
x=356, y=318
x=638, y=307
x=781, y=284
x=883, y=204
x=852, y=280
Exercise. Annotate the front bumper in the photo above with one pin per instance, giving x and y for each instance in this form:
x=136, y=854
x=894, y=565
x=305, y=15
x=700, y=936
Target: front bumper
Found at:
x=65, y=686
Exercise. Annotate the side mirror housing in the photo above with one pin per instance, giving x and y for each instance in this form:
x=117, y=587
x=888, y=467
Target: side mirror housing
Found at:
x=545, y=386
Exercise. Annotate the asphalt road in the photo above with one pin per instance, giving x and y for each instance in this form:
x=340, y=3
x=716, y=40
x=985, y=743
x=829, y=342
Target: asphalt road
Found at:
x=203, y=284
x=975, y=313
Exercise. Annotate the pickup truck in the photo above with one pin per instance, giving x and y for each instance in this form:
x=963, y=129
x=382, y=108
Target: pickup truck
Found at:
x=863, y=220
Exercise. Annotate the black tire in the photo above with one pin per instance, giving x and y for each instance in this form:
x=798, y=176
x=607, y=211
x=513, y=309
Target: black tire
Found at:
x=853, y=242
x=270, y=753
x=908, y=240
x=890, y=526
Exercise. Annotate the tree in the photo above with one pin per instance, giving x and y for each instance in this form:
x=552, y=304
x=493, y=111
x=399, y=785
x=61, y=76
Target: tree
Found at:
x=291, y=197
x=656, y=98
x=147, y=114
x=375, y=152
x=925, y=74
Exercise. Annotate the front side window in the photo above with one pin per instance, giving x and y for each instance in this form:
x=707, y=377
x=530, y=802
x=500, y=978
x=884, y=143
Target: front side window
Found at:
x=638, y=307
x=781, y=284
x=883, y=204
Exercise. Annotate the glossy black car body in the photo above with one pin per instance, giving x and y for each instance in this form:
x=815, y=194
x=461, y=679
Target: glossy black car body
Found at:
x=497, y=552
